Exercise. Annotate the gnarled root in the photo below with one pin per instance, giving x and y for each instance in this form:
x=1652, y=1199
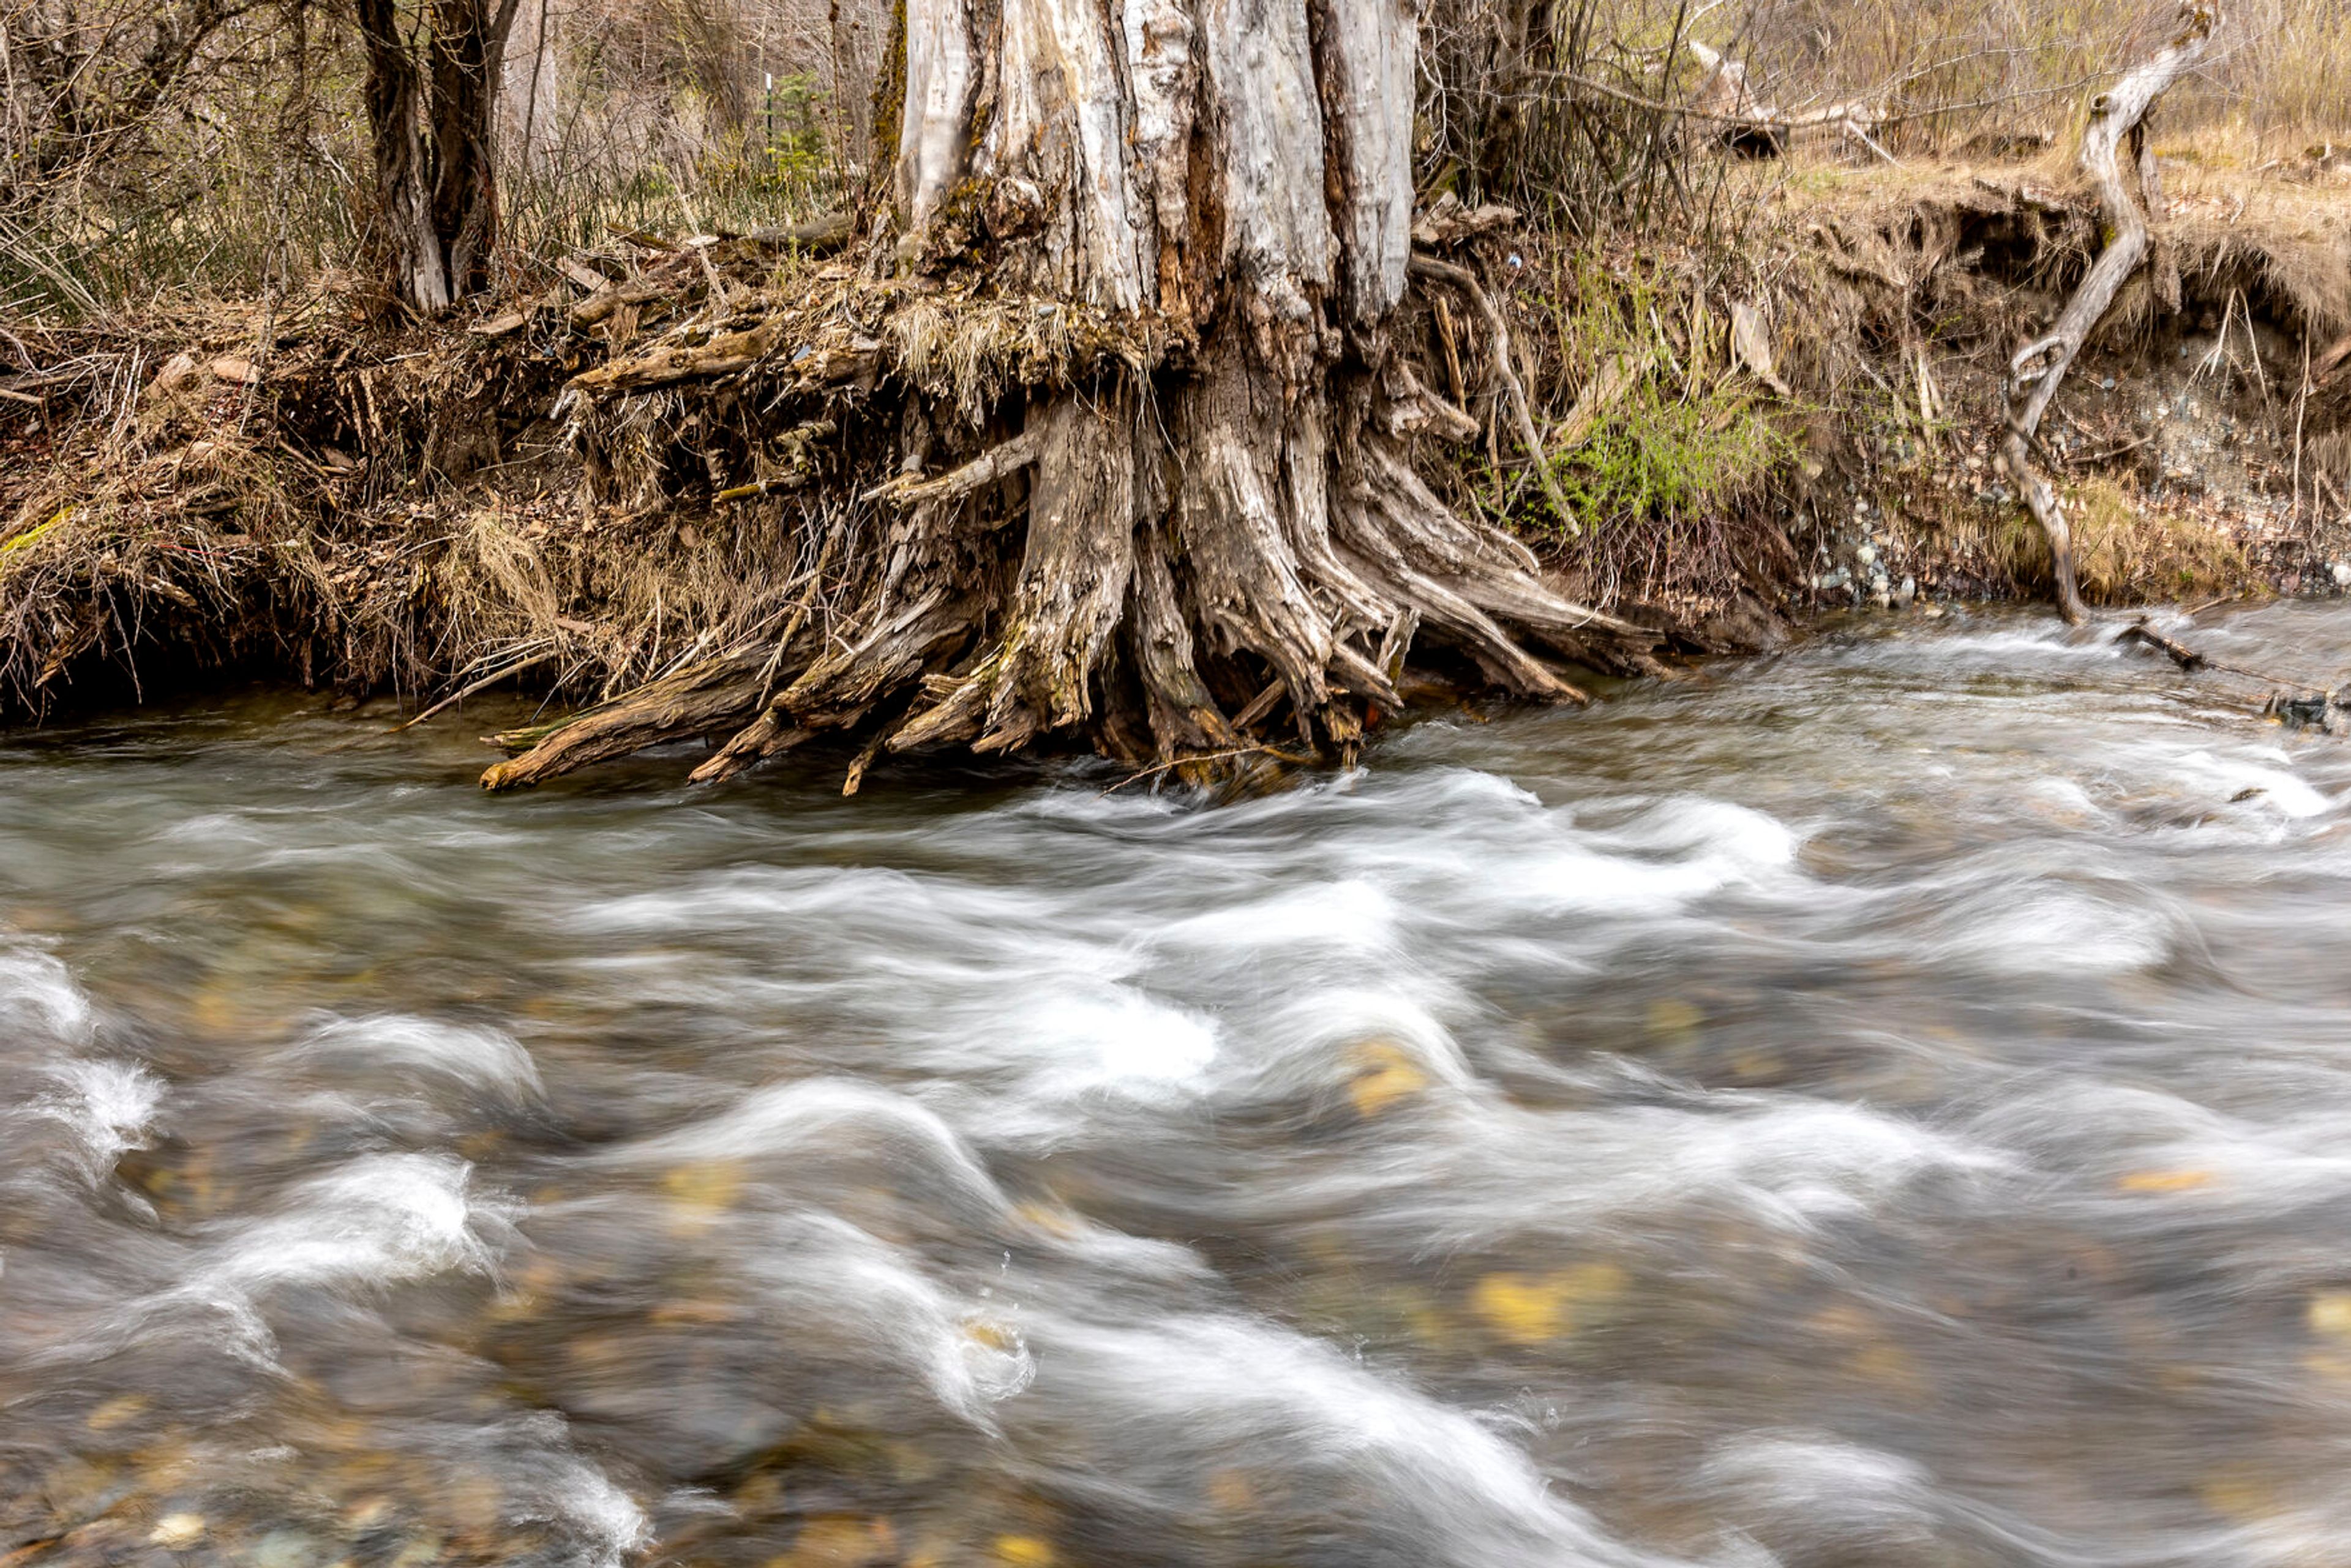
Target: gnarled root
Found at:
x=712, y=693
x=1232, y=566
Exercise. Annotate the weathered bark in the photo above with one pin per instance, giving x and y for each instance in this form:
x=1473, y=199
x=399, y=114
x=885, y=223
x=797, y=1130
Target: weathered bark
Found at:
x=430, y=122
x=712, y=695
x=2126, y=200
x=1178, y=506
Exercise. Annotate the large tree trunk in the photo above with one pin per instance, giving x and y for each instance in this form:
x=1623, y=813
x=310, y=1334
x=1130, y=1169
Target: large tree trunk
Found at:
x=1223, y=545
x=432, y=100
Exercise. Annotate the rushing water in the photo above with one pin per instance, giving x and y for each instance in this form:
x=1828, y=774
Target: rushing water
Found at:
x=1890, y=1103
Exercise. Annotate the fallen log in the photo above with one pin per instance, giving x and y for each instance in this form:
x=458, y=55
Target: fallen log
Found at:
x=714, y=695
x=828, y=233
x=1746, y=124
x=2297, y=704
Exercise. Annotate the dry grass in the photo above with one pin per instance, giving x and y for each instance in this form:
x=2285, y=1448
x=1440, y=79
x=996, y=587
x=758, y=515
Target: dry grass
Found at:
x=187, y=521
x=1954, y=69
x=2125, y=551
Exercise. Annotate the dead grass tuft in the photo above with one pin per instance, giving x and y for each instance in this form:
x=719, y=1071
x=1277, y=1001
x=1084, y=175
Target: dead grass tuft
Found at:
x=2127, y=552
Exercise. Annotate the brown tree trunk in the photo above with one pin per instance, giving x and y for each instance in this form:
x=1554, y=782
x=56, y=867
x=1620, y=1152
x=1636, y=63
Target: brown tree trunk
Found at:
x=1205, y=540
x=432, y=99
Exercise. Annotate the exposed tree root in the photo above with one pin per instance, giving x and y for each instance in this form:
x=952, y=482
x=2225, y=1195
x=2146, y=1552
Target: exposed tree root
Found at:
x=2039, y=367
x=1154, y=566
x=712, y=694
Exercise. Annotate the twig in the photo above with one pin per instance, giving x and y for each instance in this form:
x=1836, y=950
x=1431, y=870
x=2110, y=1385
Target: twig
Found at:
x=493, y=678
x=1461, y=277
x=1206, y=757
x=759, y=488
x=800, y=614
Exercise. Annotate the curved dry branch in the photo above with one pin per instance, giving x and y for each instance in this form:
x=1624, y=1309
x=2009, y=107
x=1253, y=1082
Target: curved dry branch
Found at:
x=2034, y=373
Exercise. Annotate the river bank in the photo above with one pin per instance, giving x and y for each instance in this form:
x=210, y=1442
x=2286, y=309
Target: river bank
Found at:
x=306, y=490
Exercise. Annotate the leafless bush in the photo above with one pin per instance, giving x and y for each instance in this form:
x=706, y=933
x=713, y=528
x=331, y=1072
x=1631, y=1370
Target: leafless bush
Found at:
x=219, y=144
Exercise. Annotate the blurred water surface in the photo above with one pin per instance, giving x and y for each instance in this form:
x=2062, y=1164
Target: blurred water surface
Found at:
x=1890, y=1103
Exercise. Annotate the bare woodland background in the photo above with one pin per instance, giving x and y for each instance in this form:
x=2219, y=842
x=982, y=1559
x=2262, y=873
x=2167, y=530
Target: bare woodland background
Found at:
x=219, y=145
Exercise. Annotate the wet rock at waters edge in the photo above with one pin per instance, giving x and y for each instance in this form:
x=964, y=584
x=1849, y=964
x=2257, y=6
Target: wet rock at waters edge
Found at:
x=2326, y=711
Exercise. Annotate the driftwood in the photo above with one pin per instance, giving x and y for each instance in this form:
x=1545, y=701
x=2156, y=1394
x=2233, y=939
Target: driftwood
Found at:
x=2033, y=374
x=1747, y=124
x=2298, y=704
x=717, y=693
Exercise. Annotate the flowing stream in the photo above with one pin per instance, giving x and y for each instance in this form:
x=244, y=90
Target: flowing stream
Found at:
x=1889, y=1103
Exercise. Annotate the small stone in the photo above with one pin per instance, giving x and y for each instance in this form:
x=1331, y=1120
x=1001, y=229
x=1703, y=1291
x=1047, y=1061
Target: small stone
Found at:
x=418, y=1554
x=1932, y=612
x=1907, y=593
x=177, y=1531
x=178, y=372
x=288, y=1548
x=2341, y=571
x=1881, y=599
x=1866, y=555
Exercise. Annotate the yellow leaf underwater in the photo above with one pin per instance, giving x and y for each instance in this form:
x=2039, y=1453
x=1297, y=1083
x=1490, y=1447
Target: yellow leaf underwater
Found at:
x=2165, y=1181
x=1529, y=1309
x=116, y=1411
x=2329, y=1313
x=177, y=1531
x=842, y=1540
x=1386, y=1075
x=699, y=1193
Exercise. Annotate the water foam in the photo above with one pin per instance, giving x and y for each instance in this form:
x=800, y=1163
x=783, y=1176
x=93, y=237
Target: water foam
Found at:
x=1156, y=1406
x=109, y=1106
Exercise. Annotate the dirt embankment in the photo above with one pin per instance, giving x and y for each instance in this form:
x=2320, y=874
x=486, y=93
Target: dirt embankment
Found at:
x=2201, y=448
x=293, y=488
